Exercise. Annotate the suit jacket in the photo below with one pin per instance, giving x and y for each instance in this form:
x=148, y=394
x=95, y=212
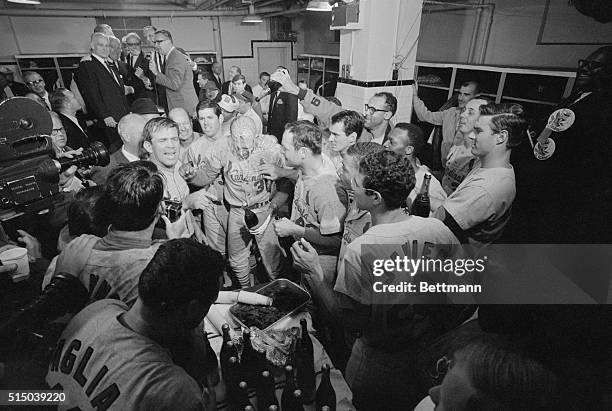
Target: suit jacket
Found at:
x=178, y=82
x=18, y=89
x=217, y=82
x=76, y=137
x=104, y=97
x=283, y=110
x=140, y=91
x=100, y=174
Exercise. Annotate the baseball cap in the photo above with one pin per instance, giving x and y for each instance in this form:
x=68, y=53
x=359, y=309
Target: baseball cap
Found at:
x=228, y=103
x=143, y=106
x=210, y=86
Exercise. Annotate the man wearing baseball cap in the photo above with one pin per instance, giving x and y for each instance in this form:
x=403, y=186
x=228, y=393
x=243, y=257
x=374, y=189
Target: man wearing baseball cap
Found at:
x=245, y=108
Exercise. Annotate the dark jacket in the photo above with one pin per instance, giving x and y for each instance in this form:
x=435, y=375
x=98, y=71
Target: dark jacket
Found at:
x=77, y=138
x=282, y=110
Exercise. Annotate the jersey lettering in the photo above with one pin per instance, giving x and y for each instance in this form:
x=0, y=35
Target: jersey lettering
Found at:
x=103, y=400
x=57, y=354
x=98, y=290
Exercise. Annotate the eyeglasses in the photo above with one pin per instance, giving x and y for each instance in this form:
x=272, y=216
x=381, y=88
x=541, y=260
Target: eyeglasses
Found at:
x=31, y=83
x=371, y=110
x=589, y=64
x=159, y=41
x=133, y=44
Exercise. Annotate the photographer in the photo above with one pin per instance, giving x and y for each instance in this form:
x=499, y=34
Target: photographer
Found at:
x=132, y=199
x=141, y=357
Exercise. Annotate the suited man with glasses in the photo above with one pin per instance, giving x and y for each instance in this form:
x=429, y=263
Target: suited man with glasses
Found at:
x=177, y=76
x=143, y=80
x=36, y=84
x=577, y=178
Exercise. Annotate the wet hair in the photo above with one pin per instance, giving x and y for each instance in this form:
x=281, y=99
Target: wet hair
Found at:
x=390, y=174
x=182, y=270
x=504, y=378
x=390, y=101
x=85, y=214
x=334, y=100
x=204, y=104
x=132, y=195
x=306, y=134
x=415, y=136
x=352, y=121
x=264, y=73
x=239, y=77
x=509, y=117
x=156, y=124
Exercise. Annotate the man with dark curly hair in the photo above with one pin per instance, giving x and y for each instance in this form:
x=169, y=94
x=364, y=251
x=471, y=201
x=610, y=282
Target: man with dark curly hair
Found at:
x=479, y=209
x=390, y=331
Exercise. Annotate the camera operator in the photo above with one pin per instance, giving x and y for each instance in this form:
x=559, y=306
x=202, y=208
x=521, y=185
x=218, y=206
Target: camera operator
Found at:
x=144, y=357
x=132, y=199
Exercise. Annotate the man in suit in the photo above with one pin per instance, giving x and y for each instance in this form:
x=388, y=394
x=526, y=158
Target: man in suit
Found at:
x=227, y=86
x=283, y=109
x=130, y=130
x=9, y=87
x=114, y=58
x=177, y=77
x=216, y=75
x=159, y=60
x=64, y=103
x=103, y=91
x=37, y=85
x=567, y=198
x=143, y=81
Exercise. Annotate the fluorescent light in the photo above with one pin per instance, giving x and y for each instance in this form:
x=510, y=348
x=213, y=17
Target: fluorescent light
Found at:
x=318, y=6
x=252, y=17
x=24, y=1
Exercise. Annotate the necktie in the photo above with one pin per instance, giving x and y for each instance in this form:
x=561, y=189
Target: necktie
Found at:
x=110, y=67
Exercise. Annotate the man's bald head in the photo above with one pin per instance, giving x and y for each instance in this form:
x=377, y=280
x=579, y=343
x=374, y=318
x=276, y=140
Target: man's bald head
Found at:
x=130, y=130
x=105, y=29
x=179, y=116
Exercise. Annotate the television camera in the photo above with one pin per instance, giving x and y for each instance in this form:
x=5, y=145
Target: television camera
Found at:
x=29, y=168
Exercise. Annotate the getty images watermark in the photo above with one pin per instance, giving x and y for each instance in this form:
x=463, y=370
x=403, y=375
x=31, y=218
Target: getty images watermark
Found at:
x=396, y=275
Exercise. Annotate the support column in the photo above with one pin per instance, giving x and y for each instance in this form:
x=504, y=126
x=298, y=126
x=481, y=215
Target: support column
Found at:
x=389, y=36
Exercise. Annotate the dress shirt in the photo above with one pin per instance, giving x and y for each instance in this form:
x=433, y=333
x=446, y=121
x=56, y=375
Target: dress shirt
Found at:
x=130, y=157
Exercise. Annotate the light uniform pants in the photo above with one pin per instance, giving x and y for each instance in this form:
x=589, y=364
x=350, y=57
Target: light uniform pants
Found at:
x=239, y=245
x=215, y=226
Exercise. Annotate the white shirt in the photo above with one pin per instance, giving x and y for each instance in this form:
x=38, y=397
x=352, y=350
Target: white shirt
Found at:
x=264, y=102
x=74, y=120
x=130, y=157
x=101, y=60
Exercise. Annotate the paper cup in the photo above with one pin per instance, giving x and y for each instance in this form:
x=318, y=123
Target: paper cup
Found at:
x=17, y=256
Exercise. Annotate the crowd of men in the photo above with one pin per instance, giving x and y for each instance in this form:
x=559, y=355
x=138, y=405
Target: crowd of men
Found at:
x=320, y=192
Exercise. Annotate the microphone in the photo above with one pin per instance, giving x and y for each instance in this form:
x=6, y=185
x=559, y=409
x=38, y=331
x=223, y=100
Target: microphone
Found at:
x=266, y=93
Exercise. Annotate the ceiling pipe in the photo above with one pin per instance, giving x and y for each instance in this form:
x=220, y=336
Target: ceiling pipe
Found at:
x=123, y=13
x=215, y=4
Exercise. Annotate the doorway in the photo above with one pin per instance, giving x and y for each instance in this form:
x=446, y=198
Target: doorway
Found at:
x=272, y=55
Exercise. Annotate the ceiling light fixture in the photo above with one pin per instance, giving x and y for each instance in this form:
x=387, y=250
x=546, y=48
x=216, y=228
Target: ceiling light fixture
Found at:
x=318, y=6
x=24, y=1
x=252, y=17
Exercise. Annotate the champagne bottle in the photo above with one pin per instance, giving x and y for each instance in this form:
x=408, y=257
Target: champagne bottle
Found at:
x=228, y=350
x=287, y=395
x=232, y=377
x=421, y=205
x=243, y=396
x=266, y=392
x=249, y=359
x=305, y=365
x=326, y=396
x=293, y=402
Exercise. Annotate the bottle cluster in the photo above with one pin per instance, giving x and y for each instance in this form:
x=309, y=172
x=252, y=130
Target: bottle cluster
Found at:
x=251, y=369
